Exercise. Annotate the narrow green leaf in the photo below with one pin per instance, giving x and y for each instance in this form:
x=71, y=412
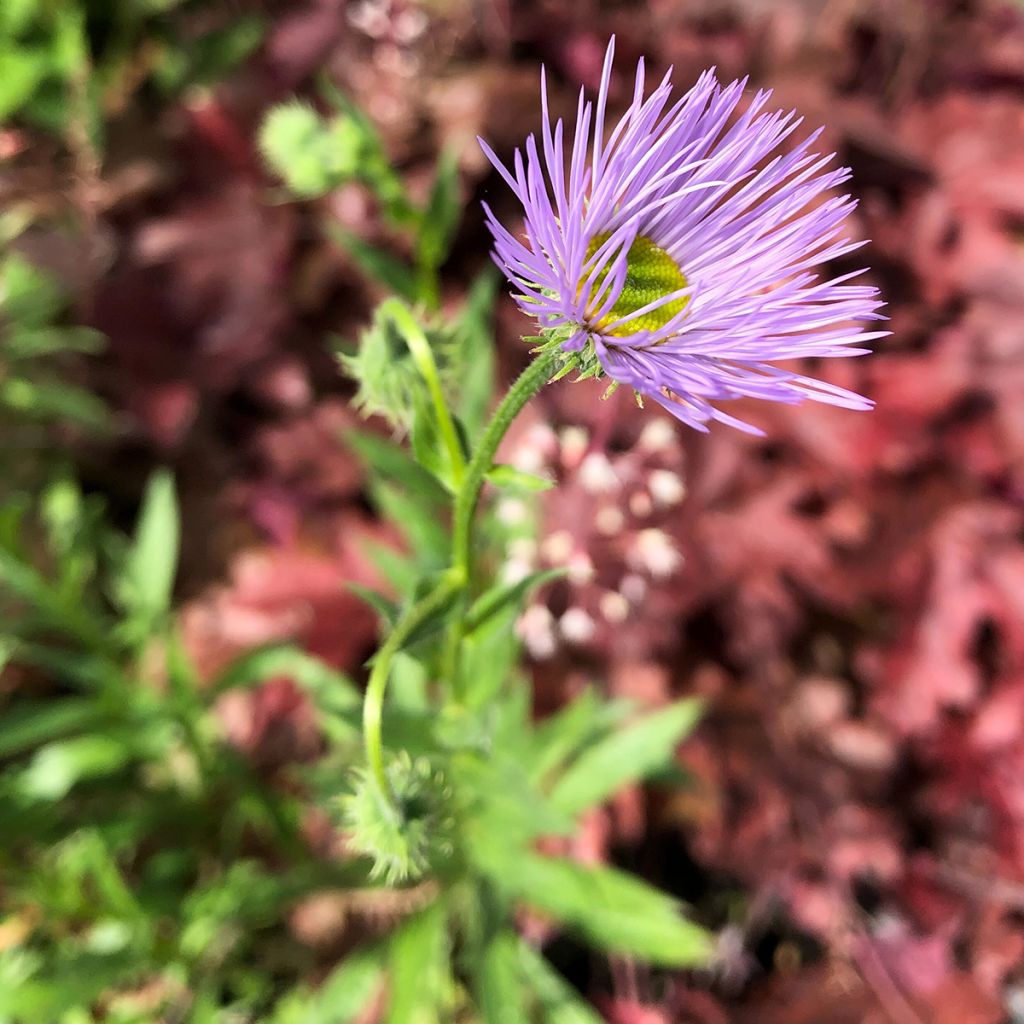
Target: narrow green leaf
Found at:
x=508, y=815
x=499, y=983
x=502, y=596
x=558, y=737
x=511, y=479
x=92, y=672
x=419, y=968
x=409, y=681
x=475, y=336
x=16, y=16
x=560, y=1002
x=634, y=752
x=29, y=297
x=614, y=911
x=36, y=342
x=47, y=604
x=25, y=726
x=153, y=557
x=58, y=767
x=396, y=568
x=441, y=215
x=387, y=609
x=389, y=460
x=25, y=68
x=263, y=663
x=348, y=989
x=49, y=399
x=489, y=659
x=381, y=266
x=427, y=444
x=426, y=534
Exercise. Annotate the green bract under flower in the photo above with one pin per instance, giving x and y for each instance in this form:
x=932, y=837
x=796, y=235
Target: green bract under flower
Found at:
x=651, y=274
x=408, y=833
x=390, y=383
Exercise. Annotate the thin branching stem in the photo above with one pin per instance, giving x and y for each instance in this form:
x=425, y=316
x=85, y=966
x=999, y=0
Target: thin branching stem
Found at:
x=459, y=576
x=373, y=704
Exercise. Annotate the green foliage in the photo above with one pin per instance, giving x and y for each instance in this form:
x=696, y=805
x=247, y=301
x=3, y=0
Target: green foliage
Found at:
x=34, y=343
x=149, y=871
x=501, y=782
x=313, y=154
x=74, y=61
x=310, y=154
x=126, y=814
x=634, y=752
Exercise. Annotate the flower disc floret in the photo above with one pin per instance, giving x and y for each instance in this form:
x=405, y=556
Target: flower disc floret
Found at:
x=650, y=274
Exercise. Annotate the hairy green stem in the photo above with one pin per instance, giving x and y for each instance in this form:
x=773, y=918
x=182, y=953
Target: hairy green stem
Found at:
x=373, y=704
x=529, y=382
x=458, y=577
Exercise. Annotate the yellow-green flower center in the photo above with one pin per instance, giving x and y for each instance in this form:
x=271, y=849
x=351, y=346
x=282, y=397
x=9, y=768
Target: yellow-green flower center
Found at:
x=650, y=274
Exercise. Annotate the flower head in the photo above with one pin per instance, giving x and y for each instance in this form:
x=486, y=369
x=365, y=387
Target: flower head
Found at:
x=680, y=248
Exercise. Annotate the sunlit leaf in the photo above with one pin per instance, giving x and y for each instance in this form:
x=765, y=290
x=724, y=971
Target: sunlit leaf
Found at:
x=615, y=911
x=152, y=560
x=634, y=752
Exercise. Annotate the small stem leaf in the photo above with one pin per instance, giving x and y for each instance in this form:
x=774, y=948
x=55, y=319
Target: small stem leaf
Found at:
x=153, y=557
x=613, y=910
x=420, y=972
x=494, y=601
x=511, y=479
x=385, y=608
x=387, y=459
x=635, y=752
x=382, y=266
x=442, y=213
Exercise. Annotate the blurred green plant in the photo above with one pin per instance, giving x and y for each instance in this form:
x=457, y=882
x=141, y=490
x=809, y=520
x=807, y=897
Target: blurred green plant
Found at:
x=67, y=59
x=147, y=869
x=32, y=338
x=36, y=394
x=461, y=784
x=139, y=850
x=314, y=154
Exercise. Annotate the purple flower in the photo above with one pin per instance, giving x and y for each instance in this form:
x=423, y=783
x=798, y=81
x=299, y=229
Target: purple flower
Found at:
x=683, y=246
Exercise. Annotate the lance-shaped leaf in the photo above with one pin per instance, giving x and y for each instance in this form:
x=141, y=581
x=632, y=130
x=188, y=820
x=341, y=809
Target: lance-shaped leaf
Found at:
x=631, y=753
x=614, y=911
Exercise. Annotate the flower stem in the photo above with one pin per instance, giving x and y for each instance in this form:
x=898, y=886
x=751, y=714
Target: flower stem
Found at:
x=373, y=704
x=458, y=577
x=529, y=382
